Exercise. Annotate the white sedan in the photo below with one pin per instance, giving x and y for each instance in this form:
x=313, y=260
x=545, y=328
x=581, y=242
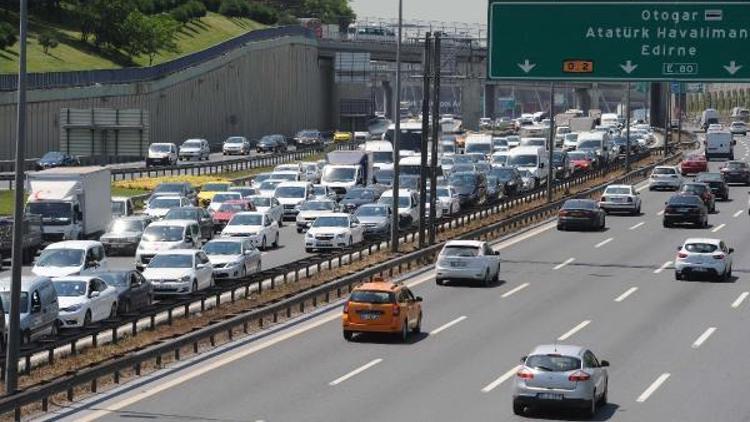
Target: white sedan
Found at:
x=233, y=257
x=257, y=226
x=665, y=177
x=334, y=231
x=703, y=258
x=159, y=206
x=467, y=260
x=270, y=206
x=179, y=272
x=84, y=300
x=448, y=200
x=620, y=198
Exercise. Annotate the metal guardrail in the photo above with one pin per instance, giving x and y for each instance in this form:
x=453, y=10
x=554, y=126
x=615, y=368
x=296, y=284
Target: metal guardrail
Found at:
x=321, y=294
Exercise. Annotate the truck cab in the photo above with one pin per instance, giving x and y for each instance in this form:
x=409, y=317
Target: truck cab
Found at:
x=347, y=169
x=533, y=159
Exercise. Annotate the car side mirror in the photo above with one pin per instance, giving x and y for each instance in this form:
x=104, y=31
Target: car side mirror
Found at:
x=418, y=299
x=604, y=363
x=94, y=294
x=36, y=308
x=523, y=359
x=679, y=247
x=731, y=250
x=497, y=253
x=134, y=283
x=541, y=165
x=200, y=266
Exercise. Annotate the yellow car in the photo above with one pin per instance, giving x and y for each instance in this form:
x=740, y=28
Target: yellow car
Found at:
x=209, y=190
x=340, y=136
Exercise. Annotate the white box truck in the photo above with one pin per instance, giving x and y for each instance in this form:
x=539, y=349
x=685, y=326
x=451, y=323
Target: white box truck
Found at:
x=346, y=170
x=74, y=202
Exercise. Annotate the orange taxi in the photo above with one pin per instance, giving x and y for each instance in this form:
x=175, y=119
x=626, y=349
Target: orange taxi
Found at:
x=382, y=307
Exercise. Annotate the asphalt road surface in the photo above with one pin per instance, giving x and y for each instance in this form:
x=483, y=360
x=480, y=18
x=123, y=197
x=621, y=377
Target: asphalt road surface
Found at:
x=677, y=348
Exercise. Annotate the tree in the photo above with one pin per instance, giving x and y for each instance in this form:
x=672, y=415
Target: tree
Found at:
x=234, y=8
x=150, y=35
x=8, y=35
x=328, y=11
x=47, y=40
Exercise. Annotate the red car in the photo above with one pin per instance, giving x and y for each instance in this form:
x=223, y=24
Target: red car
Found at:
x=694, y=163
x=581, y=161
x=227, y=210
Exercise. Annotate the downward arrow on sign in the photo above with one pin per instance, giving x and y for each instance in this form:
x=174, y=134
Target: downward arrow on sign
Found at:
x=526, y=66
x=733, y=68
x=628, y=67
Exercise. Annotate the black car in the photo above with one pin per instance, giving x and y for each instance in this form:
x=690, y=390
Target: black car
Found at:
x=561, y=164
x=384, y=177
x=510, y=177
x=736, y=172
x=271, y=143
x=197, y=214
x=56, y=159
x=356, y=197
x=685, y=208
x=701, y=190
x=583, y=213
x=471, y=187
x=716, y=182
x=133, y=290
x=309, y=137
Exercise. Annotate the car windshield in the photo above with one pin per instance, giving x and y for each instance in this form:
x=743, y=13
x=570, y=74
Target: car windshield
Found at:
x=164, y=203
x=589, y=144
x=525, y=174
x=230, y=208
x=694, y=188
x=736, y=166
x=171, y=261
x=448, y=147
x=503, y=173
x=308, y=134
x=182, y=214
x=163, y=233
x=318, y=206
x=5, y=297
x=701, y=247
x=118, y=207
x=61, y=258
x=558, y=158
x=580, y=204
x=53, y=156
x=685, y=200
x=261, y=201
x=577, y=155
x=246, y=220
x=245, y=192
x=462, y=179
x=287, y=177
x=331, y=222
x=482, y=148
x=553, y=363
x=296, y=192
x=612, y=190
x=70, y=288
x=443, y=193
x=522, y=160
x=262, y=177
x=169, y=188
x=159, y=148
x=125, y=226
x=408, y=182
x=499, y=159
x=571, y=137
x=338, y=174
x=709, y=177
x=462, y=159
x=384, y=176
x=374, y=211
x=447, y=161
x=235, y=141
x=664, y=170
x=462, y=251
x=382, y=157
x=270, y=184
x=115, y=279
x=192, y=144
x=267, y=140
x=223, y=197
x=59, y=210
x=372, y=296
x=319, y=190
x=215, y=187
x=695, y=158
x=220, y=247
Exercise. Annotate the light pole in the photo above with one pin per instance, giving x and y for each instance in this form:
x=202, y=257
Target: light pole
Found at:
x=396, y=134
x=11, y=361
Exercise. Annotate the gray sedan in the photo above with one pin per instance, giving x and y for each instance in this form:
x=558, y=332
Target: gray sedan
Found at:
x=133, y=291
x=124, y=234
x=560, y=376
x=375, y=218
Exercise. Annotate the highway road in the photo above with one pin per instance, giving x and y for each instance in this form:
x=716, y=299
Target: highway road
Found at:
x=676, y=348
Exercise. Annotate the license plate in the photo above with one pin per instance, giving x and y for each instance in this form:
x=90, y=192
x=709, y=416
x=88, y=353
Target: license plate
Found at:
x=325, y=243
x=700, y=269
x=550, y=396
x=576, y=214
x=458, y=264
x=682, y=210
x=369, y=316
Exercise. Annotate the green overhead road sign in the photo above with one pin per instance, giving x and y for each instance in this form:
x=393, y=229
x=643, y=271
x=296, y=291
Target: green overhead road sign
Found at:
x=687, y=40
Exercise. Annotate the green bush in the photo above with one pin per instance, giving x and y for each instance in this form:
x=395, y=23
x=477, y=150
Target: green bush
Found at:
x=8, y=35
x=47, y=40
x=180, y=14
x=262, y=13
x=234, y=8
x=196, y=9
x=212, y=5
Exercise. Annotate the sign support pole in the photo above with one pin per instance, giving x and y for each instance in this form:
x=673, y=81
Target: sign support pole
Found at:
x=627, y=130
x=551, y=148
x=435, y=135
x=425, y=132
x=667, y=118
x=396, y=135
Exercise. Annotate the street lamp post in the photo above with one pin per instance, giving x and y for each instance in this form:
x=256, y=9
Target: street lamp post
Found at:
x=396, y=134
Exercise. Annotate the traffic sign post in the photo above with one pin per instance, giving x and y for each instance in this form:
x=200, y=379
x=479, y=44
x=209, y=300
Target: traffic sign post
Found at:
x=687, y=40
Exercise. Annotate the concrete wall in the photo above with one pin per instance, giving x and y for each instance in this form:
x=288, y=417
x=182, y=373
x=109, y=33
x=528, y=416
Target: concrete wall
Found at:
x=274, y=86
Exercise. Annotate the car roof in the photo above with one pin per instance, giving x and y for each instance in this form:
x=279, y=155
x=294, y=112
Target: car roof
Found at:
x=27, y=282
x=84, y=278
x=619, y=186
x=293, y=184
x=138, y=217
x=383, y=286
x=702, y=240
x=472, y=243
x=183, y=223
x=227, y=239
x=179, y=252
x=560, y=349
x=75, y=244
x=169, y=197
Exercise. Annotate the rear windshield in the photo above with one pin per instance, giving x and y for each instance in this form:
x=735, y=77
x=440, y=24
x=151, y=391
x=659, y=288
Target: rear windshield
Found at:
x=685, y=200
x=372, y=296
x=553, y=363
x=663, y=170
x=466, y=251
x=700, y=247
x=617, y=191
x=736, y=165
x=580, y=204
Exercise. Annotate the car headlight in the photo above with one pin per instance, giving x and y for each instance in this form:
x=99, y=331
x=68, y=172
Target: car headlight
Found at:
x=309, y=235
x=185, y=279
x=140, y=246
x=340, y=236
x=132, y=239
x=72, y=308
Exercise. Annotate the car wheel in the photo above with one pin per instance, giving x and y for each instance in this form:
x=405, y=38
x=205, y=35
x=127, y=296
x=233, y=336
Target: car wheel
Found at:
x=309, y=250
x=705, y=223
x=125, y=307
x=194, y=287
x=518, y=408
x=666, y=223
x=263, y=245
x=487, y=282
x=54, y=330
x=87, y=319
x=418, y=328
x=677, y=275
x=439, y=281
x=348, y=335
x=729, y=273
x=604, y=399
x=281, y=221
x=560, y=227
x=276, y=241
x=299, y=230
x=243, y=272
x=404, y=336
x=604, y=223
x=113, y=311
x=591, y=408
x=351, y=244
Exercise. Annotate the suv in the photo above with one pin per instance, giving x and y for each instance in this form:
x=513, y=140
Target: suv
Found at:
x=195, y=148
x=707, y=257
x=717, y=184
x=161, y=153
x=271, y=143
x=382, y=307
x=467, y=260
x=736, y=172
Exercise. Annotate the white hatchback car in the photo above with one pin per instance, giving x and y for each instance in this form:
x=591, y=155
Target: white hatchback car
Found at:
x=620, y=198
x=83, y=300
x=256, y=226
x=233, y=257
x=665, y=177
x=703, y=257
x=179, y=272
x=467, y=260
x=334, y=231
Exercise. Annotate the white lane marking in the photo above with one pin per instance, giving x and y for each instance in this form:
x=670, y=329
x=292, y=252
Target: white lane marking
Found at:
x=738, y=213
x=566, y=262
x=625, y=295
x=703, y=337
x=604, y=242
x=516, y=290
x=741, y=298
x=663, y=267
x=637, y=225
x=717, y=228
x=504, y=377
x=513, y=241
x=652, y=388
x=357, y=371
x=574, y=330
x=660, y=213
x=447, y=325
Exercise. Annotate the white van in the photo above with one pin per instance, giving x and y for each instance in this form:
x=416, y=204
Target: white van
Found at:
x=610, y=119
x=39, y=307
x=408, y=205
x=533, y=159
x=708, y=117
x=478, y=143
x=534, y=142
x=382, y=154
x=291, y=195
x=71, y=257
x=599, y=143
x=719, y=145
x=167, y=235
